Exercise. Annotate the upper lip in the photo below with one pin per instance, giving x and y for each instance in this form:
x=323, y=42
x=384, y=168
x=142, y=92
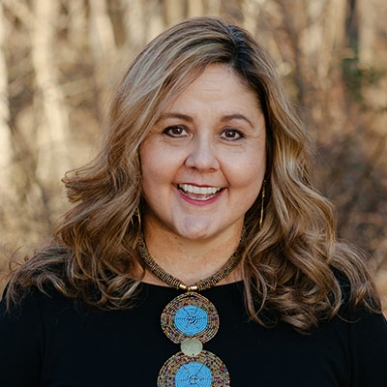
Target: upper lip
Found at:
x=199, y=189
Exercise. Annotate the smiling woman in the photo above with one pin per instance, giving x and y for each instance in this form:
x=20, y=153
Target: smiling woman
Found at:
x=203, y=165
x=197, y=252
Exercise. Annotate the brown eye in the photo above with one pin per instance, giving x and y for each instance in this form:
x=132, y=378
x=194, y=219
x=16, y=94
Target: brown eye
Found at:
x=176, y=131
x=231, y=134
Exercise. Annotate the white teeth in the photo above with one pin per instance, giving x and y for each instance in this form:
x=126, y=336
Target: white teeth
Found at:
x=199, y=190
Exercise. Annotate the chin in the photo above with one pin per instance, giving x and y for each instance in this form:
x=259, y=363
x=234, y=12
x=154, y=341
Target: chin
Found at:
x=196, y=234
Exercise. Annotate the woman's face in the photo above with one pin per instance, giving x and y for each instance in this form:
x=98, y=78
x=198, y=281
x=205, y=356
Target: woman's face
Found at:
x=203, y=162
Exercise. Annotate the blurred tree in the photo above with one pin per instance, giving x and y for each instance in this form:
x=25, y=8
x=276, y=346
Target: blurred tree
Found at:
x=6, y=151
x=59, y=61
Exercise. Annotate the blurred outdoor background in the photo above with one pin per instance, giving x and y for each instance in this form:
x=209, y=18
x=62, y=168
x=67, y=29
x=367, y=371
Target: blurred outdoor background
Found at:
x=60, y=60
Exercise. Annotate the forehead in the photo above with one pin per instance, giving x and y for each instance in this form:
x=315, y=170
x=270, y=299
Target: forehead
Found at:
x=216, y=83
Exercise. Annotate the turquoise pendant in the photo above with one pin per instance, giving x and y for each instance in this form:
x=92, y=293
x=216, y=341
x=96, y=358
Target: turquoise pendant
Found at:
x=191, y=320
x=204, y=370
x=190, y=315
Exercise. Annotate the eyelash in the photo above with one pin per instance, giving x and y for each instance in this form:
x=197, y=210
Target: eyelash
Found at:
x=168, y=131
x=183, y=133
x=234, y=131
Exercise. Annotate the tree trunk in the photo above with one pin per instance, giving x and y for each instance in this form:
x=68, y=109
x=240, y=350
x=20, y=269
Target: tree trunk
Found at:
x=6, y=151
x=195, y=8
x=77, y=26
x=53, y=131
x=135, y=24
x=173, y=11
x=155, y=18
x=101, y=36
x=250, y=10
x=214, y=7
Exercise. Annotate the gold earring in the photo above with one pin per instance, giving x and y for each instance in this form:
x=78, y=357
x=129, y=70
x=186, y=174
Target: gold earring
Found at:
x=136, y=214
x=262, y=204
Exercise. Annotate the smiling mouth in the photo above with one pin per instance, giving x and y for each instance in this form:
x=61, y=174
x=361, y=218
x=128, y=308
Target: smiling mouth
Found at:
x=198, y=193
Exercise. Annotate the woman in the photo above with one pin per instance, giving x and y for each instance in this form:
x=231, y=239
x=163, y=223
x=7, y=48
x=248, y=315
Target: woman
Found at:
x=197, y=253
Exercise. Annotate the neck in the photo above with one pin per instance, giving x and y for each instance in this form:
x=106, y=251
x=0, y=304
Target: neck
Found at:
x=191, y=261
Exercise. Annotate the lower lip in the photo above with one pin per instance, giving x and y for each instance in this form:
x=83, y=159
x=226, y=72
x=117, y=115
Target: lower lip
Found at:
x=200, y=203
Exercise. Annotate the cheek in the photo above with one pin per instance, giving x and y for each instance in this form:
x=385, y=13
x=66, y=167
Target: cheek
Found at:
x=156, y=158
x=151, y=162
x=247, y=181
x=248, y=174
x=152, y=182
x=158, y=170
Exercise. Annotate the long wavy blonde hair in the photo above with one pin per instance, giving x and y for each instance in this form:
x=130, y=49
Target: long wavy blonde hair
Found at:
x=291, y=266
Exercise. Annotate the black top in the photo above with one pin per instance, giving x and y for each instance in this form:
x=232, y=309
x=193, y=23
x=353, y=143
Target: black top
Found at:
x=53, y=341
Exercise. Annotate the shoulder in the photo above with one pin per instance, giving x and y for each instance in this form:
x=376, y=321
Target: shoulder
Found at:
x=358, y=293
x=367, y=337
x=362, y=320
x=32, y=303
x=39, y=275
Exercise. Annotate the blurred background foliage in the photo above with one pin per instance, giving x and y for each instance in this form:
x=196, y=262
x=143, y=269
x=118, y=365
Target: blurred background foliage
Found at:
x=60, y=60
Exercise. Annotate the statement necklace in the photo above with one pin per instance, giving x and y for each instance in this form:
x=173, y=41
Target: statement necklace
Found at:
x=191, y=320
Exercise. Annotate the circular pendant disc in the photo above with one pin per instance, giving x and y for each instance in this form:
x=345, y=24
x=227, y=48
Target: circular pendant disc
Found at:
x=204, y=370
x=191, y=347
x=190, y=315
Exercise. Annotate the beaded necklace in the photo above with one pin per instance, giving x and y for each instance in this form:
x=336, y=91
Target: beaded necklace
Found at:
x=191, y=320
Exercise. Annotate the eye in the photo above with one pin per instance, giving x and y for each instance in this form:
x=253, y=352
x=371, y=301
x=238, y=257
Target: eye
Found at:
x=232, y=134
x=176, y=131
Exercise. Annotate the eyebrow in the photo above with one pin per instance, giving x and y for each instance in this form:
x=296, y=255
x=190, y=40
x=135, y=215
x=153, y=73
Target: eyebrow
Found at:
x=225, y=118
x=231, y=117
x=175, y=115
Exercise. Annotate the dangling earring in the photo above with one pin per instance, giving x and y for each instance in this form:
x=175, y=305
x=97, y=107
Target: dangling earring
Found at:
x=262, y=204
x=136, y=214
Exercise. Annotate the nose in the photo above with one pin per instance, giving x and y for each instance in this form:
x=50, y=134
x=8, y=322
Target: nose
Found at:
x=202, y=155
